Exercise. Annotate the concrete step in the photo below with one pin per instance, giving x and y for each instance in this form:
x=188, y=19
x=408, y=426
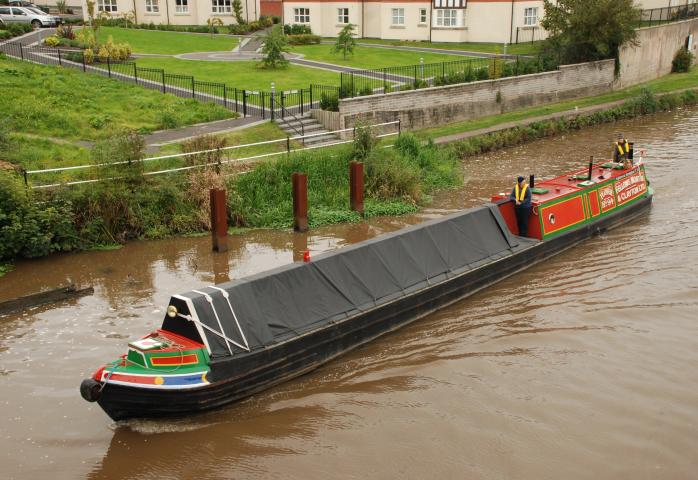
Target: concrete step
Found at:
x=307, y=129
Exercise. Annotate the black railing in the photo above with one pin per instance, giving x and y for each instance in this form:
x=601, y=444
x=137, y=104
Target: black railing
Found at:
x=528, y=34
x=658, y=16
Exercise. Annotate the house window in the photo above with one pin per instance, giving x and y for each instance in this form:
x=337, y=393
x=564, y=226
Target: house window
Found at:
x=106, y=5
x=151, y=6
x=398, y=16
x=447, y=18
x=342, y=15
x=221, y=6
x=301, y=15
x=531, y=16
x=181, y=6
x=422, y=15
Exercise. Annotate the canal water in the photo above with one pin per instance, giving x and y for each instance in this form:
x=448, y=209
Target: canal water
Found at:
x=583, y=367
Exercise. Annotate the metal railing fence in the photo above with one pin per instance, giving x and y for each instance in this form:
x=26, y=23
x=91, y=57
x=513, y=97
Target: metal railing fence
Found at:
x=659, y=16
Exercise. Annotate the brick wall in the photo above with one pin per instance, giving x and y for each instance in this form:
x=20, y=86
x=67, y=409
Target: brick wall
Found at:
x=439, y=105
x=657, y=46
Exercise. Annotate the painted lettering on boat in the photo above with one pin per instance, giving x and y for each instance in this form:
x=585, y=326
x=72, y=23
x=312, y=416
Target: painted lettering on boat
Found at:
x=608, y=199
x=631, y=187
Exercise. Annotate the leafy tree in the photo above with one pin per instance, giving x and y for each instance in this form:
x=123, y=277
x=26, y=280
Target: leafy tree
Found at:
x=345, y=41
x=587, y=30
x=214, y=22
x=275, y=45
x=237, y=11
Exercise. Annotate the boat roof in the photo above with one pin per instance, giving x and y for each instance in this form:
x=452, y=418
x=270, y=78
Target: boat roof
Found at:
x=572, y=182
x=289, y=301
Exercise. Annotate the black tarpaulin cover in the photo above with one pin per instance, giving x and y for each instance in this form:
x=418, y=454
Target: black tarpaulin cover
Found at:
x=290, y=300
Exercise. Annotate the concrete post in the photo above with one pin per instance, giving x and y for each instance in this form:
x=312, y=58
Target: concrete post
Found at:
x=300, y=201
x=356, y=187
x=219, y=220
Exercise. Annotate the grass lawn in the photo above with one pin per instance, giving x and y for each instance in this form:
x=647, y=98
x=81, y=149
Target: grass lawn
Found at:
x=170, y=43
x=244, y=75
x=668, y=83
x=514, y=49
x=367, y=57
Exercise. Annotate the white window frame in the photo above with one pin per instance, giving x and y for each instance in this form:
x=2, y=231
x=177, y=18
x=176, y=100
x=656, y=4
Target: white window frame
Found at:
x=181, y=6
x=530, y=16
x=447, y=18
x=151, y=6
x=301, y=15
x=108, y=6
x=343, y=16
x=397, y=17
x=222, y=7
x=423, y=18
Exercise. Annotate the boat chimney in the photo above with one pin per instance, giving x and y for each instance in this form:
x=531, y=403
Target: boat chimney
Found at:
x=631, y=150
x=532, y=181
x=591, y=166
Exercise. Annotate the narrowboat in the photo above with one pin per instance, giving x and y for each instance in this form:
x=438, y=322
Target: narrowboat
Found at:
x=222, y=343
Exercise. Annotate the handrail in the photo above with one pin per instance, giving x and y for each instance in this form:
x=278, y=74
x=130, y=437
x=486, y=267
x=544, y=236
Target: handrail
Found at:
x=283, y=111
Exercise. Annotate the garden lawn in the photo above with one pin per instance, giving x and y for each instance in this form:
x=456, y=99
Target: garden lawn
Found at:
x=514, y=49
x=244, y=75
x=169, y=43
x=368, y=57
x=68, y=104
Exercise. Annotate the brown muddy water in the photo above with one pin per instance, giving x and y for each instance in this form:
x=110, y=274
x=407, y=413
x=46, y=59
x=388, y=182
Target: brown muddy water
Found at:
x=583, y=367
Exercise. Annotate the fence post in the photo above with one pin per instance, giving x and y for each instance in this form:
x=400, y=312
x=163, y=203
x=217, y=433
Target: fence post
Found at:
x=24, y=174
x=244, y=103
x=288, y=145
x=135, y=73
x=299, y=182
x=225, y=96
x=311, y=95
x=272, y=100
x=193, y=87
x=84, y=67
x=301, y=101
x=109, y=67
x=399, y=127
x=219, y=220
x=60, y=62
x=356, y=187
x=162, y=75
x=352, y=84
x=385, y=79
x=21, y=51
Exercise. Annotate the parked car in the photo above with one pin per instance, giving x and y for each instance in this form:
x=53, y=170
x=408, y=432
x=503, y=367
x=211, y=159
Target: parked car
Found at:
x=32, y=15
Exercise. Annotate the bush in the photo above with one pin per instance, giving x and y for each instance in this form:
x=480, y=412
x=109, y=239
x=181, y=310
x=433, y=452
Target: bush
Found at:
x=17, y=29
x=304, y=39
x=5, y=35
x=297, y=29
x=66, y=32
x=89, y=56
x=52, y=41
x=482, y=74
x=682, y=61
x=239, y=29
x=329, y=102
x=366, y=90
x=364, y=141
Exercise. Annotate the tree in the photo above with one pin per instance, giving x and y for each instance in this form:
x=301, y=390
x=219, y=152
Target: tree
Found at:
x=587, y=30
x=345, y=41
x=237, y=11
x=275, y=45
x=214, y=22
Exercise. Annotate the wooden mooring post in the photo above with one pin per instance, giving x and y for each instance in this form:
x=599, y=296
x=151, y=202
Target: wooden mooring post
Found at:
x=299, y=182
x=356, y=187
x=219, y=220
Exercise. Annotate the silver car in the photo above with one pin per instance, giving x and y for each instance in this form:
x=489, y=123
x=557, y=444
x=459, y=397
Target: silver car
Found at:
x=32, y=15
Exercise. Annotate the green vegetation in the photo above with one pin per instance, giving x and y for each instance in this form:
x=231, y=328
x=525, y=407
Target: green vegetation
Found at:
x=582, y=31
x=345, y=41
x=244, y=75
x=683, y=60
x=168, y=43
x=480, y=47
x=369, y=57
x=273, y=49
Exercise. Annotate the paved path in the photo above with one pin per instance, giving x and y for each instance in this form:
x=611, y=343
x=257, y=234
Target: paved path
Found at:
x=163, y=137
x=445, y=51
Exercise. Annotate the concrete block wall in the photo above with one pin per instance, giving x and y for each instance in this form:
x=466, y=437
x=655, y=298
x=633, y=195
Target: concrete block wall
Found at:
x=656, y=48
x=440, y=105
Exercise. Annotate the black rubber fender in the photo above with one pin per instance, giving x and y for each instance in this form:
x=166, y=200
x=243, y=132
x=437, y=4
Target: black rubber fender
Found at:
x=90, y=390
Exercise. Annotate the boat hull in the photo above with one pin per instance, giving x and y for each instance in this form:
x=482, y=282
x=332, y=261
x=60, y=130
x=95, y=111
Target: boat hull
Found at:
x=238, y=377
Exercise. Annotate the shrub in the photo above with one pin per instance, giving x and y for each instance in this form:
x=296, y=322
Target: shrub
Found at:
x=682, y=61
x=239, y=29
x=52, y=41
x=364, y=141
x=329, y=102
x=482, y=74
x=202, y=143
x=304, y=39
x=89, y=56
x=366, y=90
x=297, y=29
x=65, y=31
x=5, y=35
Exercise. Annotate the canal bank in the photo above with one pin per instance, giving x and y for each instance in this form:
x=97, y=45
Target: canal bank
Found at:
x=516, y=381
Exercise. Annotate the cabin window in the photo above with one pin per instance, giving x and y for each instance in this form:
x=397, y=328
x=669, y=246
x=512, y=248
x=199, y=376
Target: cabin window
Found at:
x=301, y=15
x=343, y=15
x=531, y=16
x=422, y=15
x=398, y=16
